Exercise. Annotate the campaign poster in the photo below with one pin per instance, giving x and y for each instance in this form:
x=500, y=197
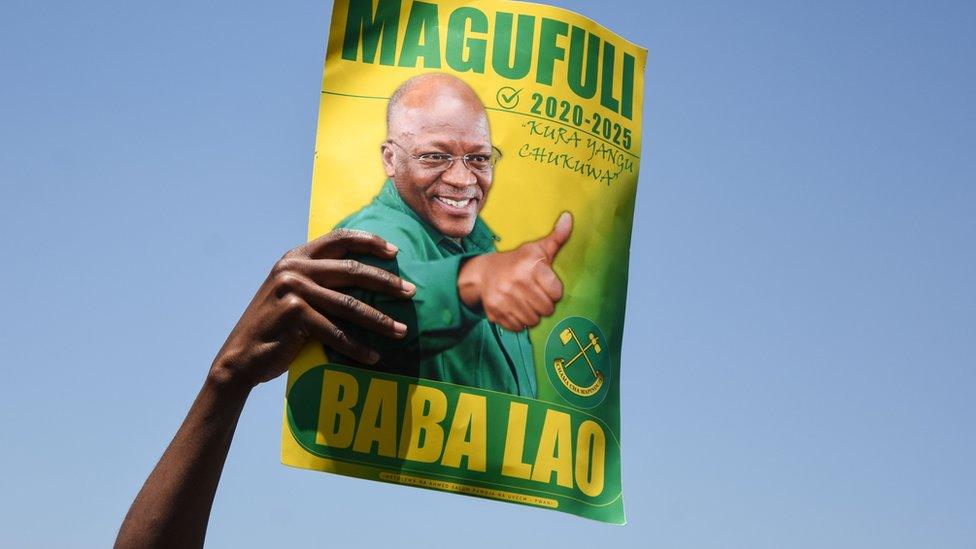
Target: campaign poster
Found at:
x=496, y=144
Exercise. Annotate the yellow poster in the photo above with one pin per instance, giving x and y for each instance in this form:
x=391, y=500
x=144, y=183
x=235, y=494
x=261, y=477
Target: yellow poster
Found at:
x=496, y=145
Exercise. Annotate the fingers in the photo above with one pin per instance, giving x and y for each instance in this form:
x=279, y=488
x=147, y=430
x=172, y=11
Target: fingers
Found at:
x=547, y=280
x=540, y=302
x=303, y=287
x=511, y=323
x=321, y=328
x=334, y=304
x=520, y=297
x=555, y=240
x=340, y=242
x=523, y=306
x=523, y=315
x=542, y=292
x=337, y=305
x=319, y=259
x=510, y=319
x=509, y=309
x=346, y=273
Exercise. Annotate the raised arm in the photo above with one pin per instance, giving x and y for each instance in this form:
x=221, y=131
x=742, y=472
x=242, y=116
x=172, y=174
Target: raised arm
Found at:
x=297, y=302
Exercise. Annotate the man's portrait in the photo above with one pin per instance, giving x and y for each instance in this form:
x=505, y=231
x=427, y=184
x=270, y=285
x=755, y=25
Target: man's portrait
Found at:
x=468, y=321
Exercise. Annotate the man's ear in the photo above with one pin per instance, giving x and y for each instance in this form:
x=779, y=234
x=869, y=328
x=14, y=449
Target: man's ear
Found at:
x=386, y=152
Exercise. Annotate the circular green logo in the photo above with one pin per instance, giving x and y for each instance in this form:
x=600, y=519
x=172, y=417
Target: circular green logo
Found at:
x=578, y=361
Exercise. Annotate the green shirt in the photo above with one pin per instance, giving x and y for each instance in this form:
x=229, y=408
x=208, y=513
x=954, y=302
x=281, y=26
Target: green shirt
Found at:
x=446, y=340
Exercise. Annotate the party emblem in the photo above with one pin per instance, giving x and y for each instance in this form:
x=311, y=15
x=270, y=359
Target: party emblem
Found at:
x=577, y=362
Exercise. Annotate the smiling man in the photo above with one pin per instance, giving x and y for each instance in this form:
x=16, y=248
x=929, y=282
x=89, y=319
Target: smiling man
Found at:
x=467, y=323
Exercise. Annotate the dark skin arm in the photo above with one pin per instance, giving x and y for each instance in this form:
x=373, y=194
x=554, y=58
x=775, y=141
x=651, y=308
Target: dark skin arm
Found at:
x=295, y=304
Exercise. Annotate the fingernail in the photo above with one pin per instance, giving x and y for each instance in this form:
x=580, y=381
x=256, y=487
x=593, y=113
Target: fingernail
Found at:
x=372, y=358
x=399, y=328
x=391, y=248
x=407, y=286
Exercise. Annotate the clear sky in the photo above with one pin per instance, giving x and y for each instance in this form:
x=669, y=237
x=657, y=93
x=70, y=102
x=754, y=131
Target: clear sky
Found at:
x=799, y=365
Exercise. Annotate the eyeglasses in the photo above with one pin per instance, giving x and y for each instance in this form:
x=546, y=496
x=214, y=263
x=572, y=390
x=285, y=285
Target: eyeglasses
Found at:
x=476, y=162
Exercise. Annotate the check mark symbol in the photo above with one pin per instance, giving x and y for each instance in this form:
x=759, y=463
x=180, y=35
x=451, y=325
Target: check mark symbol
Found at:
x=508, y=97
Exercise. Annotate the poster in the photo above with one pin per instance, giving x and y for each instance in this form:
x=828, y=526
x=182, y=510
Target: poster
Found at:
x=497, y=145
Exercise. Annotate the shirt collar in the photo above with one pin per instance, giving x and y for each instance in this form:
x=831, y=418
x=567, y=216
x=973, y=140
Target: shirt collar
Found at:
x=481, y=239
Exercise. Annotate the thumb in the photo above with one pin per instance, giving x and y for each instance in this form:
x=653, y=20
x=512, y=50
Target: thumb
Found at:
x=555, y=240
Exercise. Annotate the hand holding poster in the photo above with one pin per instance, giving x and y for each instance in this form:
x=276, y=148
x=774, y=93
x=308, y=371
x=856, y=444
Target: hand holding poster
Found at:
x=500, y=377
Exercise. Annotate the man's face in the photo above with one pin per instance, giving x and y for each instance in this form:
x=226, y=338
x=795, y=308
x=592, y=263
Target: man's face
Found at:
x=451, y=199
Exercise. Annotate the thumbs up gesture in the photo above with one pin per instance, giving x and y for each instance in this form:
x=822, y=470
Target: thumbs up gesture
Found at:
x=517, y=288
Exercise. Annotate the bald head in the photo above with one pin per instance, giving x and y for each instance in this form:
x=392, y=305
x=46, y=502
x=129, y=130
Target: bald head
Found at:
x=431, y=117
x=420, y=100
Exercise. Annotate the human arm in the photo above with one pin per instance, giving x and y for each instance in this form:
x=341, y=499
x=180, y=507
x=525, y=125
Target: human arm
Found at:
x=295, y=303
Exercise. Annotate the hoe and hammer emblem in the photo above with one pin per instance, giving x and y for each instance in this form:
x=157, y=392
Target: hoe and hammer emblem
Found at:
x=562, y=364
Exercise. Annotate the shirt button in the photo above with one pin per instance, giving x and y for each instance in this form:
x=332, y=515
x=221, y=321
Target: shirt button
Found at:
x=446, y=317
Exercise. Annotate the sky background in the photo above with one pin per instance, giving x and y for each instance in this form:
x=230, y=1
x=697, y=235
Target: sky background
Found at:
x=799, y=363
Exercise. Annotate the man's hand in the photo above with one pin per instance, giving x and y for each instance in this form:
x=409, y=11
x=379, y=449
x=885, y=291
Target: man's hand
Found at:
x=518, y=287
x=294, y=304
x=298, y=301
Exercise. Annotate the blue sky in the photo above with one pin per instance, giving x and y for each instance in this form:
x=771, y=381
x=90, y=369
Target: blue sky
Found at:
x=798, y=365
